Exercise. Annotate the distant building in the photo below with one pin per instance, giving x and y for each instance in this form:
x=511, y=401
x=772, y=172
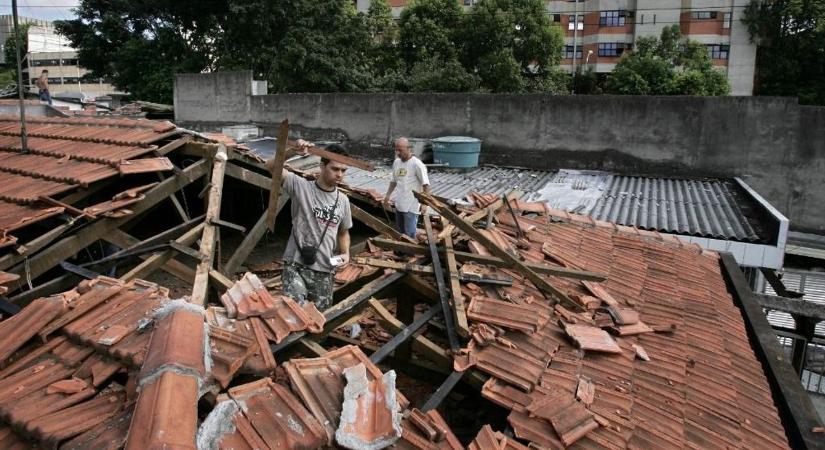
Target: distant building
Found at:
x=598, y=32
x=50, y=51
x=7, y=29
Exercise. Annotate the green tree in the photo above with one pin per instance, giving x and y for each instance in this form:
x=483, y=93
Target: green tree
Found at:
x=790, y=38
x=10, y=47
x=511, y=44
x=669, y=65
x=324, y=49
x=438, y=75
x=140, y=46
x=388, y=70
x=428, y=29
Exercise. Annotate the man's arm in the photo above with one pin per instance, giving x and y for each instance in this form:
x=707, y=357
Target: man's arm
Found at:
x=424, y=178
x=343, y=243
x=386, y=201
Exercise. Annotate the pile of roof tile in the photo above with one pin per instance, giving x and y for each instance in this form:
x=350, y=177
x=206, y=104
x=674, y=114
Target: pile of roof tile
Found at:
x=656, y=355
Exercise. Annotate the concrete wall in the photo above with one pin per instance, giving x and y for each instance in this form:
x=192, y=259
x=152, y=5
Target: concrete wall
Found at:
x=775, y=145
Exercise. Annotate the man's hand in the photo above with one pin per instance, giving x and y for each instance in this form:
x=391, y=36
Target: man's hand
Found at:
x=345, y=258
x=302, y=149
x=386, y=203
x=423, y=210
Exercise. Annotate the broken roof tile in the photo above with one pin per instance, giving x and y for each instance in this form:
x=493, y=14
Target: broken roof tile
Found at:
x=526, y=318
x=108, y=435
x=229, y=350
x=18, y=329
x=485, y=440
x=70, y=422
x=509, y=364
x=592, y=338
x=370, y=415
x=279, y=418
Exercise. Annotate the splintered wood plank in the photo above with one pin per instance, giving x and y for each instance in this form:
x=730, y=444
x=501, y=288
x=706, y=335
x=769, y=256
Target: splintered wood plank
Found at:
x=277, y=170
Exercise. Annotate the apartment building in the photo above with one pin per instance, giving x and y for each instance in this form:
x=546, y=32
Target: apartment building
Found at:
x=598, y=32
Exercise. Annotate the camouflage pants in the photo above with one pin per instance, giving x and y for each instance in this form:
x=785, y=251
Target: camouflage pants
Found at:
x=304, y=284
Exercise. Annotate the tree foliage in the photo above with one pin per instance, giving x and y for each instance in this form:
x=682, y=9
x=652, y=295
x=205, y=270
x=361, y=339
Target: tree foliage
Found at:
x=10, y=47
x=668, y=65
x=790, y=59
x=509, y=42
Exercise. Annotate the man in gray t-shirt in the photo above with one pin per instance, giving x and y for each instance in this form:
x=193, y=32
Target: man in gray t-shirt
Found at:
x=321, y=218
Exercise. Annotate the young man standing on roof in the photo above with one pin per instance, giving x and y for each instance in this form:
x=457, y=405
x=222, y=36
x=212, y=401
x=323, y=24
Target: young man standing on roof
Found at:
x=321, y=218
x=409, y=174
x=42, y=84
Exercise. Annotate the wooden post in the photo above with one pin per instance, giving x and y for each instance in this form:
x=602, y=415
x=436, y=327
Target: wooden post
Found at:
x=276, y=170
x=210, y=231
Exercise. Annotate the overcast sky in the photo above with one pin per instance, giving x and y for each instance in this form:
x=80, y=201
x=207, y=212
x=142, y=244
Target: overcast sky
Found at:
x=41, y=9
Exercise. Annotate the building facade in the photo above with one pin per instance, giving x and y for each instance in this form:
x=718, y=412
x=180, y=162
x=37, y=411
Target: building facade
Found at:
x=50, y=51
x=7, y=29
x=598, y=32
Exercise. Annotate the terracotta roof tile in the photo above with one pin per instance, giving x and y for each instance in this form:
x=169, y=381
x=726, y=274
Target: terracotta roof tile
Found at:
x=485, y=440
x=278, y=417
x=526, y=318
x=509, y=364
x=10, y=440
x=72, y=421
x=108, y=435
x=166, y=413
x=370, y=414
x=64, y=153
x=592, y=338
x=229, y=350
x=17, y=330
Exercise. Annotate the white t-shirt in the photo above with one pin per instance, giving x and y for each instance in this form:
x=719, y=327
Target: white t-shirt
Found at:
x=409, y=176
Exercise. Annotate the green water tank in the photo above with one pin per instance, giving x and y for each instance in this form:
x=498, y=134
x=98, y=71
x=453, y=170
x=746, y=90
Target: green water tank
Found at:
x=456, y=151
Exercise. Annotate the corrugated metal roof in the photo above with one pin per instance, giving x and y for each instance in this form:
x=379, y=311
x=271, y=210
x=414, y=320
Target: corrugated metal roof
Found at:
x=710, y=208
x=456, y=184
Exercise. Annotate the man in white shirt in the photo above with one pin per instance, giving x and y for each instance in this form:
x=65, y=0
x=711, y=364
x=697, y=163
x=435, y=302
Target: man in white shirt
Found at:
x=409, y=175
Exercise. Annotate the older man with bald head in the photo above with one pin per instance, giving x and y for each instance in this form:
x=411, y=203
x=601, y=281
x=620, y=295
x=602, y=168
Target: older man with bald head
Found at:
x=409, y=175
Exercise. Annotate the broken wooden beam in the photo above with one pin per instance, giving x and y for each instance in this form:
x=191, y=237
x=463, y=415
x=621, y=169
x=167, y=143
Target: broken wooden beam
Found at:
x=792, y=306
x=154, y=262
x=405, y=334
x=200, y=286
x=48, y=258
x=459, y=309
x=276, y=169
x=346, y=160
x=558, y=271
x=443, y=391
x=422, y=269
x=377, y=225
x=446, y=306
x=468, y=229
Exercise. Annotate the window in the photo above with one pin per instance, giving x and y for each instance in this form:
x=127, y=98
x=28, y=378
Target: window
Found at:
x=568, y=52
x=613, y=48
x=556, y=17
x=703, y=15
x=45, y=62
x=726, y=20
x=69, y=62
x=70, y=80
x=55, y=80
x=612, y=18
x=573, y=24
x=718, y=51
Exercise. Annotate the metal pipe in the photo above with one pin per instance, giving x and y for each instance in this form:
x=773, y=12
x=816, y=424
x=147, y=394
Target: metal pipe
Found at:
x=23, y=137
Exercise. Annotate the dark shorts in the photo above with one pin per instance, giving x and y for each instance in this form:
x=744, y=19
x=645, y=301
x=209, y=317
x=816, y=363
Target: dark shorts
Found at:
x=304, y=284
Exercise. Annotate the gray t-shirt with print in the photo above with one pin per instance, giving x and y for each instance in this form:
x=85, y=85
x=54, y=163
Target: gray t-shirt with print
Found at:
x=311, y=212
